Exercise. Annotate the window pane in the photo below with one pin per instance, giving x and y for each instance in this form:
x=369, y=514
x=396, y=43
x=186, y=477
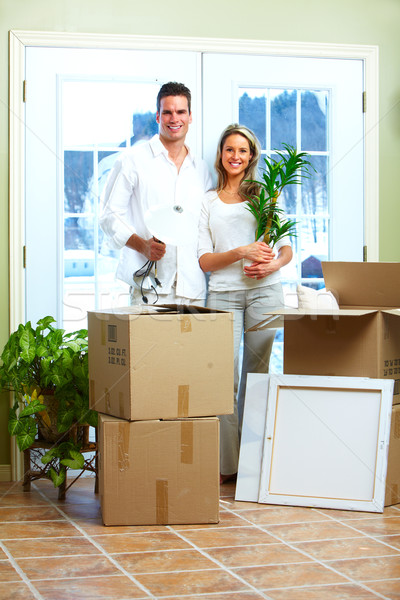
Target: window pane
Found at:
x=78, y=233
x=78, y=172
x=283, y=118
x=314, y=121
x=314, y=247
x=252, y=112
x=100, y=112
x=314, y=190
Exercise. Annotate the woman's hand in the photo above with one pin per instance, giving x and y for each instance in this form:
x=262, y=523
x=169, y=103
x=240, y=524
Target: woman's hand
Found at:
x=258, y=252
x=259, y=270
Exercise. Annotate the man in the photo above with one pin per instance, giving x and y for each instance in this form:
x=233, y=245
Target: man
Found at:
x=160, y=171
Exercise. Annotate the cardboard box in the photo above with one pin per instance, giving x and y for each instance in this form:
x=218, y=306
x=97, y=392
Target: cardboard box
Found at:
x=361, y=339
x=392, y=495
x=162, y=362
x=159, y=472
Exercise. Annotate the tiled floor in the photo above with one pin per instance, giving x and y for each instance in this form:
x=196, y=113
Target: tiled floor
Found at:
x=53, y=550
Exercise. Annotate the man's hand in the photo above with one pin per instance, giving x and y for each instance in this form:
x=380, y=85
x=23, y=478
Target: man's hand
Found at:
x=155, y=249
x=152, y=249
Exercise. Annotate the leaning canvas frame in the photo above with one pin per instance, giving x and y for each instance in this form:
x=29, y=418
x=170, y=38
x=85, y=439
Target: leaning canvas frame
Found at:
x=325, y=442
x=252, y=438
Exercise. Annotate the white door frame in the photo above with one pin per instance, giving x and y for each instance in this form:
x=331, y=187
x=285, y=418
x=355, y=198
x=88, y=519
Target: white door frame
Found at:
x=19, y=40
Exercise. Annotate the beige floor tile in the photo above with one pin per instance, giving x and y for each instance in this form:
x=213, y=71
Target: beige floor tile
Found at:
x=82, y=511
x=368, y=569
x=392, y=540
x=331, y=592
x=233, y=536
x=192, y=582
x=135, y=542
x=20, y=498
x=389, y=588
x=389, y=511
x=99, y=588
x=282, y=515
x=226, y=519
x=36, y=530
x=20, y=591
x=252, y=555
x=29, y=513
x=378, y=526
x=167, y=560
x=320, y=530
x=277, y=576
x=50, y=547
x=67, y=566
x=7, y=572
x=348, y=548
x=225, y=596
x=96, y=527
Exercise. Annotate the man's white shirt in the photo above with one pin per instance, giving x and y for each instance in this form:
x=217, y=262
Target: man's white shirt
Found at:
x=144, y=177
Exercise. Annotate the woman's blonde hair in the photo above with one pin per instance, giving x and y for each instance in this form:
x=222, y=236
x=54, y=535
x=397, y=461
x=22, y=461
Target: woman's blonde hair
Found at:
x=246, y=188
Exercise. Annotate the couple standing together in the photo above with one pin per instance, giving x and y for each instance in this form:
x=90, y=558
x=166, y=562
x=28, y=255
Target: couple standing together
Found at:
x=163, y=171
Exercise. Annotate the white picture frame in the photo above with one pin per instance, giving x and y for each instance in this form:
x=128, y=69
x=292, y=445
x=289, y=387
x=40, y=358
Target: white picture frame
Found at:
x=325, y=442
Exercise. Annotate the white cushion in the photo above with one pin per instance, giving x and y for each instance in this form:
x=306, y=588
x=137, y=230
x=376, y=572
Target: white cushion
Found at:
x=310, y=299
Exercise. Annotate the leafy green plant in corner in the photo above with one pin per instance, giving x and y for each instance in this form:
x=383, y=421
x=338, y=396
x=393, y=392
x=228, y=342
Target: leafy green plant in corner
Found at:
x=47, y=369
x=288, y=169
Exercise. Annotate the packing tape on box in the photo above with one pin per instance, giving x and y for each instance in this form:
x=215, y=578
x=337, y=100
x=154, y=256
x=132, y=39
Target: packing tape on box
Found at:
x=187, y=442
x=161, y=501
x=121, y=405
x=183, y=401
x=123, y=447
x=396, y=425
x=186, y=323
x=107, y=398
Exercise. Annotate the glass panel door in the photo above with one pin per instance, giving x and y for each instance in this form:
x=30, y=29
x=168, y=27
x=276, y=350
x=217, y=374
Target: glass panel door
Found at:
x=84, y=107
x=314, y=105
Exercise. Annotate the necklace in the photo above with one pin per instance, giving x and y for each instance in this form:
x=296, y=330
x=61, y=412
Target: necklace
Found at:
x=230, y=193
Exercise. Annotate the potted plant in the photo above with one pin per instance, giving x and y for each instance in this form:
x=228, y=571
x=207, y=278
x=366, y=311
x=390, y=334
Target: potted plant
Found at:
x=287, y=170
x=47, y=369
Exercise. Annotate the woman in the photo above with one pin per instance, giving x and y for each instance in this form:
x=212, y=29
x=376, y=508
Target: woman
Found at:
x=226, y=237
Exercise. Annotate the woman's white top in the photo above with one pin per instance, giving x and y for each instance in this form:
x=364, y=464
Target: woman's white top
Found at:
x=223, y=227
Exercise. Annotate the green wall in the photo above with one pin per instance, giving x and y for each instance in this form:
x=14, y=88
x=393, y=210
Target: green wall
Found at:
x=364, y=22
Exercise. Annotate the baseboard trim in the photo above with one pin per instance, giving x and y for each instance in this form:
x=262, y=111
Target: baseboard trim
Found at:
x=5, y=473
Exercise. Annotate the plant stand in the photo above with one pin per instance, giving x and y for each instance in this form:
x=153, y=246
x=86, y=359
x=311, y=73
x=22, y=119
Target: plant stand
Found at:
x=35, y=469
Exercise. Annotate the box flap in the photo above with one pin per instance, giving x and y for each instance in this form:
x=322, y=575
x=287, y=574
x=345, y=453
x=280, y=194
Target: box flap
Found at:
x=374, y=284
x=296, y=313
x=144, y=309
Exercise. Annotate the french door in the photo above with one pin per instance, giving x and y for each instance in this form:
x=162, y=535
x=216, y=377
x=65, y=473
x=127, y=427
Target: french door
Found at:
x=84, y=106
x=314, y=105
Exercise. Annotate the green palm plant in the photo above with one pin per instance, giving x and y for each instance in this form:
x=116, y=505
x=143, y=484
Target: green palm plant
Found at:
x=289, y=169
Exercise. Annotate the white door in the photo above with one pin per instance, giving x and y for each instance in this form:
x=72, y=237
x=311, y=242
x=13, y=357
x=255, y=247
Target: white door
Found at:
x=82, y=108
x=315, y=105
x=79, y=112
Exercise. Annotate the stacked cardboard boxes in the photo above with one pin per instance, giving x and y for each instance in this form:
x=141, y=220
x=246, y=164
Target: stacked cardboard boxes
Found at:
x=360, y=339
x=159, y=376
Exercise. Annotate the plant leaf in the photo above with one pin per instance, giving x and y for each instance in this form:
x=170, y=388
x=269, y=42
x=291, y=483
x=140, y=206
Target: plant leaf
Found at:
x=27, y=436
x=57, y=478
